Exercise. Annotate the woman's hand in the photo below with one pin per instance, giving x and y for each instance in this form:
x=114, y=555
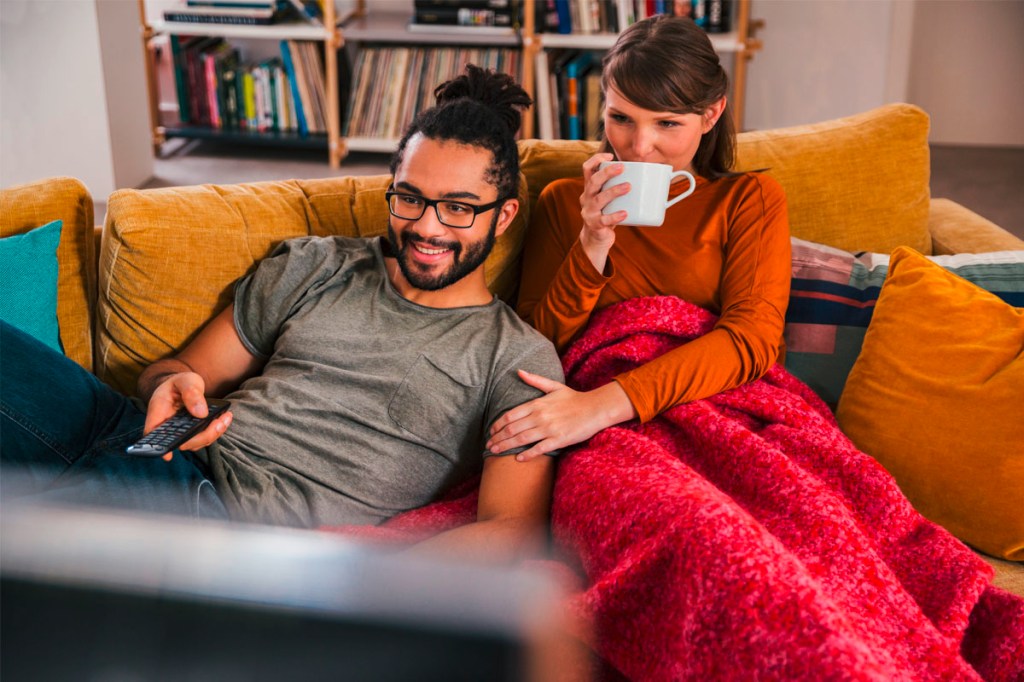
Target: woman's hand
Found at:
x=598, y=233
x=558, y=419
x=184, y=389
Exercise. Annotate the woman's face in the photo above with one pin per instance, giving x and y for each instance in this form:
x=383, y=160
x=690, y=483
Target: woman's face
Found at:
x=638, y=134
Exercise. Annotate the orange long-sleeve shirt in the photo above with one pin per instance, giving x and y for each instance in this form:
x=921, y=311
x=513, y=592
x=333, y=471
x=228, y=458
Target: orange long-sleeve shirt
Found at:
x=725, y=248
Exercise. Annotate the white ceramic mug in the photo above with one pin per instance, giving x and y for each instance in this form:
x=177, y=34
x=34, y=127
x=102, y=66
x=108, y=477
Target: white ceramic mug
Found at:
x=647, y=199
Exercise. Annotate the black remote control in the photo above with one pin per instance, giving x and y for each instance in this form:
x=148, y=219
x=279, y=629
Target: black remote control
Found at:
x=175, y=431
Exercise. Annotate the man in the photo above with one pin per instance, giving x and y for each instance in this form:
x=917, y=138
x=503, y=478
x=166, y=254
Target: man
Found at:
x=363, y=374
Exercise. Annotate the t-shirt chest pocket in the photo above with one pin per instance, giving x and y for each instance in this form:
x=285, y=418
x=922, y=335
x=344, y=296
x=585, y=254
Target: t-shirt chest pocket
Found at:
x=437, y=405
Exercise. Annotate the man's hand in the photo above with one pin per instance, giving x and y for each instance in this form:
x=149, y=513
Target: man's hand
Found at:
x=184, y=389
x=558, y=419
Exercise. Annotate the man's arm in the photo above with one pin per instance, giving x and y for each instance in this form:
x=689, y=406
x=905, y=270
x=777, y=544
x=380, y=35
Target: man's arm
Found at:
x=512, y=513
x=213, y=364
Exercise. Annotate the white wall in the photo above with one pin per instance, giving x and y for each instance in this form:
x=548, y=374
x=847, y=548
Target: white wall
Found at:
x=821, y=59
x=72, y=94
x=959, y=60
x=967, y=68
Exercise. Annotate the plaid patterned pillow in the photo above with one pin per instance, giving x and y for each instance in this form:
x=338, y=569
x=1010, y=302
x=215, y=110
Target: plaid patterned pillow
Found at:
x=832, y=298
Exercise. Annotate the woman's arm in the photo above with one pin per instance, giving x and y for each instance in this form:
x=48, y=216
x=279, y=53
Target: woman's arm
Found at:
x=565, y=258
x=754, y=294
x=754, y=289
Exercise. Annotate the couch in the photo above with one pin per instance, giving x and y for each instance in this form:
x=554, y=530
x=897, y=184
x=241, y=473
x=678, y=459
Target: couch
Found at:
x=164, y=262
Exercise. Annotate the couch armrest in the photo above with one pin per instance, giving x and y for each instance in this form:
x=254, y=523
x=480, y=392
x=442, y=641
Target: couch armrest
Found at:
x=957, y=229
x=1009, y=574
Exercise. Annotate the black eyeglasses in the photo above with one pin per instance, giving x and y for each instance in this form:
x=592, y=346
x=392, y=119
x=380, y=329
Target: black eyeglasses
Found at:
x=450, y=213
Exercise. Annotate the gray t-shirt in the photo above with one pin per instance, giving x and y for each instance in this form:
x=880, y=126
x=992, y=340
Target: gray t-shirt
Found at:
x=369, y=404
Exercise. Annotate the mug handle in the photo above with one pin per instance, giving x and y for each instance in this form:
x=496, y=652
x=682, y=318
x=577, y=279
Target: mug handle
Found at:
x=693, y=186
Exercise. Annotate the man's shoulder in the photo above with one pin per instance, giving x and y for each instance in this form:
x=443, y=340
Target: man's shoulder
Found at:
x=326, y=246
x=517, y=336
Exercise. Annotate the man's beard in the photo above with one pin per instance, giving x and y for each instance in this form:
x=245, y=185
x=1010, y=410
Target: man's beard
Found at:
x=462, y=264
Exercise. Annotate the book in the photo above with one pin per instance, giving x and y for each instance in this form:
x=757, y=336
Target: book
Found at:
x=593, y=122
x=719, y=16
x=289, y=68
x=575, y=70
x=223, y=15
x=178, y=44
x=564, y=16
x=237, y=4
x=468, y=4
x=307, y=11
x=462, y=16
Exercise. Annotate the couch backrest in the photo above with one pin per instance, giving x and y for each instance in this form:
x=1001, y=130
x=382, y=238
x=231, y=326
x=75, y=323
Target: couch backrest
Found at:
x=169, y=256
x=858, y=183
x=28, y=206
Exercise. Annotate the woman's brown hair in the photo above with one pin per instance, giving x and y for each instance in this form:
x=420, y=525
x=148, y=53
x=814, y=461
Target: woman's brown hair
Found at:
x=667, y=63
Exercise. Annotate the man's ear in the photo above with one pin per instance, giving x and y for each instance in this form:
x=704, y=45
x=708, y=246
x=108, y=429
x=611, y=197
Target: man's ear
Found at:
x=711, y=115
x=506, y=213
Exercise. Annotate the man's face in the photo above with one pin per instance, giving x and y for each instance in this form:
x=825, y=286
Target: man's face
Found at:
x=433, y=255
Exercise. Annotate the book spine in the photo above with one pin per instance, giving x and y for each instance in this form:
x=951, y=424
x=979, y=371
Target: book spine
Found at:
x=289, y=67
x=249, y=97
x=210, y=74
x=464, y=17
x=719, y=16
x=180, y=78
x=193, y=18
x=468, y=4
x=564, y=16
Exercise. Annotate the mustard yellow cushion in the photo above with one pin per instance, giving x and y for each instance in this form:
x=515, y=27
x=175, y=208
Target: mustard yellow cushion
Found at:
x=169, y=257
x=542, y=161
x=936, y=397
x=25, y=207
x=858, y=183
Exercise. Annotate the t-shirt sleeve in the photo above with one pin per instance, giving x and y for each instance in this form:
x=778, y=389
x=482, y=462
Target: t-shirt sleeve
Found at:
x=267, y=297
x=511, y=391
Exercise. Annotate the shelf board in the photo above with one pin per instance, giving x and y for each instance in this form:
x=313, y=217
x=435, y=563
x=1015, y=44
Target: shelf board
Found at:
x=274, y=139
x=722, y=42
x=371, y=144
x=283, y=31
x=393, y=27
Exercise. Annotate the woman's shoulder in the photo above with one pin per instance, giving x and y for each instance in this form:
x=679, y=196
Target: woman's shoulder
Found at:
x=755, y=179
x=751, y=185
x=563, y=187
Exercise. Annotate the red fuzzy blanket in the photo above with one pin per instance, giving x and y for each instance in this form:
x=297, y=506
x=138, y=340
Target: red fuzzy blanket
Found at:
x=744, y=536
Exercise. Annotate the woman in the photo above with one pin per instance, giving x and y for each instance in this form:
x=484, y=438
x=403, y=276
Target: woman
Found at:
x=724, y=248
x=724, y=534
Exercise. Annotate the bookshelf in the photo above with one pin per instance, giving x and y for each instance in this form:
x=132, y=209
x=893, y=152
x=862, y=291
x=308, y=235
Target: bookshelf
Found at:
x=540, y=48
x=385, y=27
x=329, y=34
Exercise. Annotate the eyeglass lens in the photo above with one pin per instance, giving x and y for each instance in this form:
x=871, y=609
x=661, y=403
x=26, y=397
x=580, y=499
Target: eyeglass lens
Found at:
x=452, y=213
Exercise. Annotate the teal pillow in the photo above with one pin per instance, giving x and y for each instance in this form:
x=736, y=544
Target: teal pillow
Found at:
x=28, y=282
x=832, y=299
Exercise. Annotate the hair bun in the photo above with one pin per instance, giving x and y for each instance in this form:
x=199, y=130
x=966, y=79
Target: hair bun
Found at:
x=496, y=91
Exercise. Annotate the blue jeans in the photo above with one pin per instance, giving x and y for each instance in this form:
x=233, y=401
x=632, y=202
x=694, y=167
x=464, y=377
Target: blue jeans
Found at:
x=63, y=435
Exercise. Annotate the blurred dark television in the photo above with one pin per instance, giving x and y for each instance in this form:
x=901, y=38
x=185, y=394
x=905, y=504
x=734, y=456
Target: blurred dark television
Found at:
x=94, y=595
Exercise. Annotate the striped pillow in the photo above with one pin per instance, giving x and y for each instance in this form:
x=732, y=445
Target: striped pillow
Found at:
x=832, y=298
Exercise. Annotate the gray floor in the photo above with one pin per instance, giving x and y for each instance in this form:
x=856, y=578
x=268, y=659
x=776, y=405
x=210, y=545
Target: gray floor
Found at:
x=984, y=179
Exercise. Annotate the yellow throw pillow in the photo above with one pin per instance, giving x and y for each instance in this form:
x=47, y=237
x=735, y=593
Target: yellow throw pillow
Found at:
x=937, y=397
